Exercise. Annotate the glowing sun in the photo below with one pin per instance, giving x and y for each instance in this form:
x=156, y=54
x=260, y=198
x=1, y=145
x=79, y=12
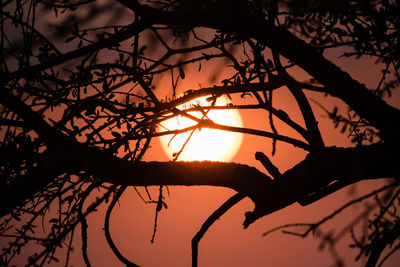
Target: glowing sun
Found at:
x=205, y=143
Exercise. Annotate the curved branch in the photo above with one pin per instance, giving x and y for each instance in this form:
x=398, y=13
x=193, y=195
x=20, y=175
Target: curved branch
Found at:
x=84, y=224
x=210, y=221
x=107, y=229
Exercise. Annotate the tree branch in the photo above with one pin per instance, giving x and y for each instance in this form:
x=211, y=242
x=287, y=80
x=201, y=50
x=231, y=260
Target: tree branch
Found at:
x=23, y=188
x=107, y=229
x=268, y=165
x=313, y=133
x=118, y=37
x=312, y=174
x=318, y=170
x=209, y=222
x=41, y=127
x=337, y=82
x=388, y=237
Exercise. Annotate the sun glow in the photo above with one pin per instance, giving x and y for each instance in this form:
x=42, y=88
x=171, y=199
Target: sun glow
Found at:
x=205, y=143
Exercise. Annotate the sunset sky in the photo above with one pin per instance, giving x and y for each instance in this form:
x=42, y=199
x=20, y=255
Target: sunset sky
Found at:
x=227, y=243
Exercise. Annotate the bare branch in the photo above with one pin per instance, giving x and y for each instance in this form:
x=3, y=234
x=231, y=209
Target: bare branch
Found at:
x=210, y=221
x=314, y=135
x=107, y=229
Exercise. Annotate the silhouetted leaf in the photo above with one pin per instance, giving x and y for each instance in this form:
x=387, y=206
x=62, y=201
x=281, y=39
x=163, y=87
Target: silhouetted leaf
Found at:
x=69, y=199
x=116, y=134
x=70, y=39
x=181, y=73
x=334, y=112
x=54, y=259
x=141, y=50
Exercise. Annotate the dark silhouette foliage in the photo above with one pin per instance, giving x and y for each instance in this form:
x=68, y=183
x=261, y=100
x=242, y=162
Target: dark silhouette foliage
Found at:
x=81, y=104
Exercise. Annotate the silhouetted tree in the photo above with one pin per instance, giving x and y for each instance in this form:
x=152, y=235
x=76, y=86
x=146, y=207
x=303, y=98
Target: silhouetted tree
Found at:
x=79, y=109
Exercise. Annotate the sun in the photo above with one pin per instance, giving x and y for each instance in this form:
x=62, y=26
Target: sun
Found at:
x=205, y=143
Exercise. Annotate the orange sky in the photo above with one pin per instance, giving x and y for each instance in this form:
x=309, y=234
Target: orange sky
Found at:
x=226, y=243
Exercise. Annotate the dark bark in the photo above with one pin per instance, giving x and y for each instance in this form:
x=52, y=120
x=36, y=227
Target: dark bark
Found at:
x=312, y=174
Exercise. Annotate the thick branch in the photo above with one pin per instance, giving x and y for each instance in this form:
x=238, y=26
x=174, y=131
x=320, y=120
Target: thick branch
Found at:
x=311, y=175
x=314, y=173
x=344, y=164
x=241, y=178
x=318, y=170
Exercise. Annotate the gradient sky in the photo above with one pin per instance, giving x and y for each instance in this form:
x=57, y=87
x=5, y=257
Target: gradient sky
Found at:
x=227, y=243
